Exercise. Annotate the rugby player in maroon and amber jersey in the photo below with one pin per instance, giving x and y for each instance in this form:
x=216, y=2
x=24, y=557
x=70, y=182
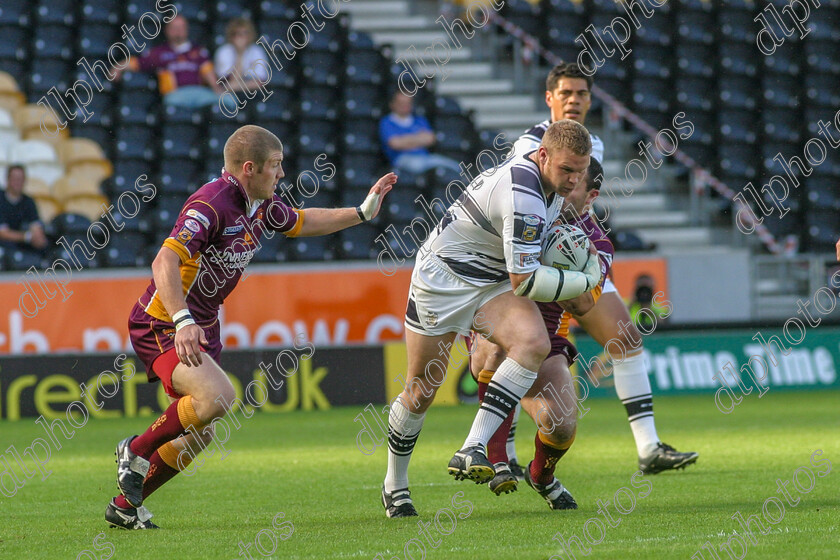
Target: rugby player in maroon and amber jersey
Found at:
x=174, y=325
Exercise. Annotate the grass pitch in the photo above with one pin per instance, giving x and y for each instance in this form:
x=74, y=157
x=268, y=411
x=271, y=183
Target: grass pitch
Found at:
x=307, y=466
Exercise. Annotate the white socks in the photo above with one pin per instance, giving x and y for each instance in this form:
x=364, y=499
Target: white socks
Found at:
x=509, y=384
x=633, y=388
x=403, y=429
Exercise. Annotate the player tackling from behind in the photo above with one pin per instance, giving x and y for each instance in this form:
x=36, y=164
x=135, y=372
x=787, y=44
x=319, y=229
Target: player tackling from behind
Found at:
x=568, y=97
x=174, y=326
x=479, y=269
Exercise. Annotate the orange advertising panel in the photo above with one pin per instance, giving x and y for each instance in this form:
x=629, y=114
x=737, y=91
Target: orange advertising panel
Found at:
x=329, y=306
x=626, y=273
x=268, y=308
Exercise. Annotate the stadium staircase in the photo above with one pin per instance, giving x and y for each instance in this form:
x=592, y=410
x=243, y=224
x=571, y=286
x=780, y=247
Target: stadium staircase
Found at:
x=505, y=99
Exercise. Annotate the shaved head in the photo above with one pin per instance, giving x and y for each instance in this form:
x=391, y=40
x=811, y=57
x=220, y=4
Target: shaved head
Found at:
x=250, y=143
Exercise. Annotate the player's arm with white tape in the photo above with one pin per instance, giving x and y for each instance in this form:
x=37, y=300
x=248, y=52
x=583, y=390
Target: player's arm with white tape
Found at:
x=547, y=283
x=323, y=221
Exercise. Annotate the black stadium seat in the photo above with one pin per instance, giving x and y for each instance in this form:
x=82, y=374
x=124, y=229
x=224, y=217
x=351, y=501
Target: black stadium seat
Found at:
x=56, y=11
x=318, y=135
x=15, y=41
x=361, y=135
x=54, y=41
x=318, y=102
x=365, y=66
x=16, y=12
x=360, y=242
x=136, y=142
x=738, y=125
x=138, y=106
x=314, y=248
x=181, y=140
x=95, y=39
x=122, y=250
x=179, y=175
x=102, y=11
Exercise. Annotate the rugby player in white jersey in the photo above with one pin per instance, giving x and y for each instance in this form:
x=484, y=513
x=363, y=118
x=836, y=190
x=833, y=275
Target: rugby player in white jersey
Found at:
x=480, y=269
x=568, y=96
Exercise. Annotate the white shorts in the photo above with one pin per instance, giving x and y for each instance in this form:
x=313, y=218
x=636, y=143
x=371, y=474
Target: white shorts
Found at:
x=440, y=302
x=608, y=287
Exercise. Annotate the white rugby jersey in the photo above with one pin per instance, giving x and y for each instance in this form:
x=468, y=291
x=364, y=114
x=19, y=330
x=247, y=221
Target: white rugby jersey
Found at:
x=532, y=138
x=496, y=226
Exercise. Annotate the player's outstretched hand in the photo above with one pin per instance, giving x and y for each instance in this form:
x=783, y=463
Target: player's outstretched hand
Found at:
x=373, y=202
x=837, y=248
x=188, y=342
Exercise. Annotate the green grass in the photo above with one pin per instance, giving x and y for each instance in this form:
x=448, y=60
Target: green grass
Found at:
x=307, y=466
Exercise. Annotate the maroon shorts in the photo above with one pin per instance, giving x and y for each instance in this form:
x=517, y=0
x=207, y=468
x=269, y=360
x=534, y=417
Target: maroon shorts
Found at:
x=153, y=339
x=562, y=346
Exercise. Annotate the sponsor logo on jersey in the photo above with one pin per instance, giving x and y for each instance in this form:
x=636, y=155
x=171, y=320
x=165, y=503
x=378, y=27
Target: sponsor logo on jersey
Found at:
x=192, y=225
x=185, y=235
x=530, y=227
x=232, y=260
x=193, y=213
x=233, y=230
x=527, y=259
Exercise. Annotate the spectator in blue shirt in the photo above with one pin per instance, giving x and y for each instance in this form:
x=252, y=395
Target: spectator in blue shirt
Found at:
x=406, y=138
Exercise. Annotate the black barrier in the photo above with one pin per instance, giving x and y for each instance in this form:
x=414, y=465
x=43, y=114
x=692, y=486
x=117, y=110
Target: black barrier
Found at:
x=113, y=386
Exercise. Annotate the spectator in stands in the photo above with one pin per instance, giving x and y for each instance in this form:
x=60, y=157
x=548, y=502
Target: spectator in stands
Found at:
x=241, y=56
x=644, y=299
x=184, y=71
x=20, y=227
x=406, y=138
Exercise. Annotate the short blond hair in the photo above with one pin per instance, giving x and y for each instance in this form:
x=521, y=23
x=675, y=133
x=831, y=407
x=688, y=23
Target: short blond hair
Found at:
x=240, y=23
x=569, y=134
x=250, y=143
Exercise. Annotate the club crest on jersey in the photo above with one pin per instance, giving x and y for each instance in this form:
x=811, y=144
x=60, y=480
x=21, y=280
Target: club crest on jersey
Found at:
x=185, y=235
x=192, y=225
x=431, y=319
x=193, y=213
x=233, y=230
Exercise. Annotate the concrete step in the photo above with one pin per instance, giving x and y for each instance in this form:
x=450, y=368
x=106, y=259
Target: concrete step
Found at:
x=378, y=23
x=402, y=51
x=376, y=8
x=420, y=39
x=513, y=103
x=455, y=87
x=514, y=121
x=675, y=238
x=512, y=134
x=623, y=219
x=639, y=202
x=776, y=306
x=470, y=70
x=769, y=286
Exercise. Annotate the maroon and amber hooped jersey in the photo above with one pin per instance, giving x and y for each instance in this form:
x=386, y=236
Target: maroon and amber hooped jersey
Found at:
x=216, y=235
x=556, y=319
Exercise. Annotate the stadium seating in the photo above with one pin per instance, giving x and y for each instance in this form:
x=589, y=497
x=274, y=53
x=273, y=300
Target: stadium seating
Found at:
x=329, y=99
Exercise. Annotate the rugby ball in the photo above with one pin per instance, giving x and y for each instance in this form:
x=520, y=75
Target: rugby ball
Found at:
x=565, y=247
